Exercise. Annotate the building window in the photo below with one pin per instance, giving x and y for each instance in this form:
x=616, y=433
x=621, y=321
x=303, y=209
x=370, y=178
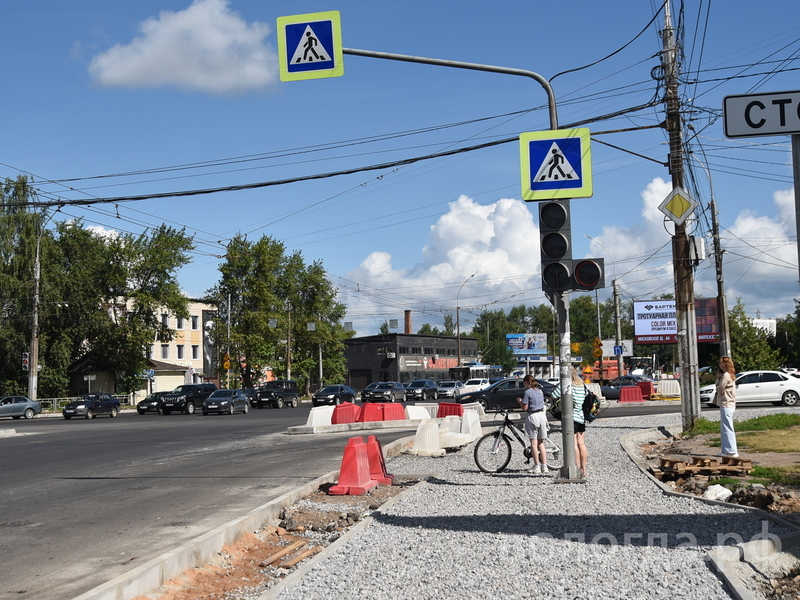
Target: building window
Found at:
x=195, y=352
x=164, y=350
x=403, y=349
x=164, y=320
x=195, y=322
x=416, y=350
x=179, y=323
x=150, y=351
x=428, y=350
x=180, y=351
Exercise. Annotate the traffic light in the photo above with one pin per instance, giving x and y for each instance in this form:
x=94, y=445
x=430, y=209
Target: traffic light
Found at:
x=26, y=361
x=556, y=245
x=588, y=274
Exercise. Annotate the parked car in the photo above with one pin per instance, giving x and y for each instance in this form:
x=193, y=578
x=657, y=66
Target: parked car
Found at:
x=449, y=388
x=91, y=405
x=187, y=397
x=611, y=391
x=369, y=388
x=278, y=393
x=474, y=385
x=153, y=403
x=386, y=391
x=707, y=375
x=421, y=389
x=502, y=394
x=226, y=402
x=334, y=394
x=18, y=407
x=760, y=386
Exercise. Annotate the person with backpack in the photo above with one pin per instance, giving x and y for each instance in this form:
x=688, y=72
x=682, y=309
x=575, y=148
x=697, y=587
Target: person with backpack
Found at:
x=579, y=393
x=535, y=423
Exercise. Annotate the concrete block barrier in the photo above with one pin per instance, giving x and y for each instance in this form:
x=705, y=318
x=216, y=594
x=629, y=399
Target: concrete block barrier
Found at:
x=450, y=424
x=426, y=440
x=417, y=413
x=471, y=424
x=431, y=407
x=319, y=416
x=669, y=388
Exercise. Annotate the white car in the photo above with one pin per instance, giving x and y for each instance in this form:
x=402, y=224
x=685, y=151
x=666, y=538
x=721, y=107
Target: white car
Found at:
x=475, y=385
x=760, y=386
x=449, y=389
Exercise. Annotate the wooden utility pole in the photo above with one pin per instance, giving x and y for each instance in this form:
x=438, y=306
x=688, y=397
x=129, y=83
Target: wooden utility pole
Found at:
x=682, y=266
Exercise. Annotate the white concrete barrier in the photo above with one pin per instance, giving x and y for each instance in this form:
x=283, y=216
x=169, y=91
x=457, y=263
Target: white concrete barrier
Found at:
x=450, y=424
x=320, y=415
x=477, y=407
x=471, y=424
x=417, y=413
x=670, y=388
x=426, y=440
x=431, y=407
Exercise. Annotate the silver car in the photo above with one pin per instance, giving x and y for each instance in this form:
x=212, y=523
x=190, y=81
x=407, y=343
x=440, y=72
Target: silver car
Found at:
x=760, y=386
x=18, y=407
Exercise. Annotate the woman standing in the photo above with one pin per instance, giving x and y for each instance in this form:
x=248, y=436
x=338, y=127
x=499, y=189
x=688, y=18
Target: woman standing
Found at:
x=578, y=396
x=726, y=400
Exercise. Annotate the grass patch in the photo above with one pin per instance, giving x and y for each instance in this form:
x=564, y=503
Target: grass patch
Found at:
x=763, y=423
x=780, y=475
x=726, y=481
x=782, y=440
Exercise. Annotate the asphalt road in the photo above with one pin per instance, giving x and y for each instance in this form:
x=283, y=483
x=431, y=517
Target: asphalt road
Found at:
x=84, y=501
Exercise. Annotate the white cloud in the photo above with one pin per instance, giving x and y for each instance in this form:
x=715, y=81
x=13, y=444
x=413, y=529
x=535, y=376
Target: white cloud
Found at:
x=100, y=231
x=499, y=243
x=206, y=47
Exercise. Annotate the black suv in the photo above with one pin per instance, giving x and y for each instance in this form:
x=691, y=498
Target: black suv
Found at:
x=421, y=389
x=277, y=394
x=187, y=397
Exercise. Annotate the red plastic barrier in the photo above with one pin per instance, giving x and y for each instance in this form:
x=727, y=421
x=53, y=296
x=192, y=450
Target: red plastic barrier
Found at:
x=345, y=412
x=371, y=412
x=648, y=389
x=377, y=464
x=450, y=408
x=630, y=393
x=354, y=476
x=393, y=412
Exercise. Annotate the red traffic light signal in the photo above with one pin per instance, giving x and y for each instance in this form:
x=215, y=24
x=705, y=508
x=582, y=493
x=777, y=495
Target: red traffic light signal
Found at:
x=25, y=361
x=588, y=274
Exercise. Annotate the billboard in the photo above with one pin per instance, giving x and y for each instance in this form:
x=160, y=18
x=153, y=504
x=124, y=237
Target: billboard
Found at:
x=655, y=321
x=527, y=343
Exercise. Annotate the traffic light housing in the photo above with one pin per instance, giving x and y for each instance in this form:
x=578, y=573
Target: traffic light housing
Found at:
x=555, y=235
x=26, y=361
x=588, y=274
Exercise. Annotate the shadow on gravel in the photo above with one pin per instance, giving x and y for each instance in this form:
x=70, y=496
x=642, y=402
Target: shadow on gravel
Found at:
x=666, y=531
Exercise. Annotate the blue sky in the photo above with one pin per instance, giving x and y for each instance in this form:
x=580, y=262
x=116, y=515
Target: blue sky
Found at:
x=119, y=99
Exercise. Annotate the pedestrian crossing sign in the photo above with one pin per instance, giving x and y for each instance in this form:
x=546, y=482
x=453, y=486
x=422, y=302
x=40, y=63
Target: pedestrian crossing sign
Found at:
x=310, y=46
x=556, y=164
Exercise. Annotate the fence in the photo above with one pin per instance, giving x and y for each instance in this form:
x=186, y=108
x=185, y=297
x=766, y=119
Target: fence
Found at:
x=56, y=404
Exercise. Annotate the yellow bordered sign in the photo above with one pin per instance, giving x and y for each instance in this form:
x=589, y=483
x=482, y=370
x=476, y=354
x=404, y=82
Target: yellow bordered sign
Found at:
x=310, y=46
x=556, y=164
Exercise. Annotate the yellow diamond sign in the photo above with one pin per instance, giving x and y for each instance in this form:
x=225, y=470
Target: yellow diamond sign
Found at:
x=678, y=205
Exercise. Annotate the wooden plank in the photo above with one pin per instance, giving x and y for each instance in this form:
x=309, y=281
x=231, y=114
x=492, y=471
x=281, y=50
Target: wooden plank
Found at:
x=302, y=556
x=281, y=553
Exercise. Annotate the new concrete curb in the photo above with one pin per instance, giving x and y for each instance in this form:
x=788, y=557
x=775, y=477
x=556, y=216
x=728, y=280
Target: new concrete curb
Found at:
x=148, y=577
x=728, y=561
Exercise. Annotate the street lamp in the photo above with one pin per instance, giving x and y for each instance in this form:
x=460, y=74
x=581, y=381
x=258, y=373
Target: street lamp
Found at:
x=458, y=318
x=618, y=324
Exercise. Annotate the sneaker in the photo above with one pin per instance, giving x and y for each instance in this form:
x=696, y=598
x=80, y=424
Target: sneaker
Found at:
x=545, y=469
x=535, y=469
x=734, y=455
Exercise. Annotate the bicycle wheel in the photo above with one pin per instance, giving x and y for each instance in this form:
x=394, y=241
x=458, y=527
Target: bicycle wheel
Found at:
x=555, y=455
x=493, y=452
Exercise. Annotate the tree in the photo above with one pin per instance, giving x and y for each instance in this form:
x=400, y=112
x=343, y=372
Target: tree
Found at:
x=787, y=338
x=427, y=329
x=384, y=330
x=749, y=344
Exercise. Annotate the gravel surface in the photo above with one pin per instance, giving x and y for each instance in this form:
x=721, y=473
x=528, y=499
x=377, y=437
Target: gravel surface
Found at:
x=466, y=534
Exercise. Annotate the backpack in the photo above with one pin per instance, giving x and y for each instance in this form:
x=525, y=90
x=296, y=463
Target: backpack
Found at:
x=591, y=406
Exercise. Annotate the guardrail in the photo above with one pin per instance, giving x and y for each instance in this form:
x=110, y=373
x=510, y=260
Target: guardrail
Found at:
x=56, y=404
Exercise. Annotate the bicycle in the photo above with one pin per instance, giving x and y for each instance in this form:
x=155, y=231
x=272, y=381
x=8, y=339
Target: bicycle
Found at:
x=493, y=451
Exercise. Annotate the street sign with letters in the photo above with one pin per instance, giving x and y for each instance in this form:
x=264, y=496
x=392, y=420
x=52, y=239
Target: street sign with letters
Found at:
x=754, y=115
x=310, y=46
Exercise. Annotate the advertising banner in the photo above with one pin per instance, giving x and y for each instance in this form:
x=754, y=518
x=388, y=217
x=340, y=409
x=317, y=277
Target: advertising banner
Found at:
x=655, y=321
x=527, y=343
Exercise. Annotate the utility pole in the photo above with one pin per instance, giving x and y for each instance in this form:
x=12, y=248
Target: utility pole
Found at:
x=684, y=277
x=722, y=300
x=33, y=373
x=618, y=327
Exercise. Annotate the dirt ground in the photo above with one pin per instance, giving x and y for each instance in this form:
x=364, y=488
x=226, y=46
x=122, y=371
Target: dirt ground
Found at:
x=784, y=500
x=260, y=560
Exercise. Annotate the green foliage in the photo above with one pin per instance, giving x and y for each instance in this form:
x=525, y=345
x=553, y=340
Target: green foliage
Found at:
x=749, y=344
x=762, y=423
x=787, y=338
x=780, y=475
x=262, y=285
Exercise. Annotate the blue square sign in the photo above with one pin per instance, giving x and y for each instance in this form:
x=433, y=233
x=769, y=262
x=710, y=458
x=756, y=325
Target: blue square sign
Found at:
x=556, y=164
x=310, y=46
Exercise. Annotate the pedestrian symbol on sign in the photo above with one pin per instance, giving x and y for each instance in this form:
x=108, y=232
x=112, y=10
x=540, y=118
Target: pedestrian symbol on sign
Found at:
x=555, y=167
x=309, y=50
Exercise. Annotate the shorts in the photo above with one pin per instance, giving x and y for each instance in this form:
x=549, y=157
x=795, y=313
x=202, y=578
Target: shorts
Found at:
x=580, y=427
x=536, y=425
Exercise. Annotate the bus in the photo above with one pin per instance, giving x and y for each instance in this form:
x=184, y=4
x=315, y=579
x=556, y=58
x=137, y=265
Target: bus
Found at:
x=475, y=371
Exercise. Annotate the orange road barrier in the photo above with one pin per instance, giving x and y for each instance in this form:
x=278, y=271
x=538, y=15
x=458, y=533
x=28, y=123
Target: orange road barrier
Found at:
x=354, y=476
